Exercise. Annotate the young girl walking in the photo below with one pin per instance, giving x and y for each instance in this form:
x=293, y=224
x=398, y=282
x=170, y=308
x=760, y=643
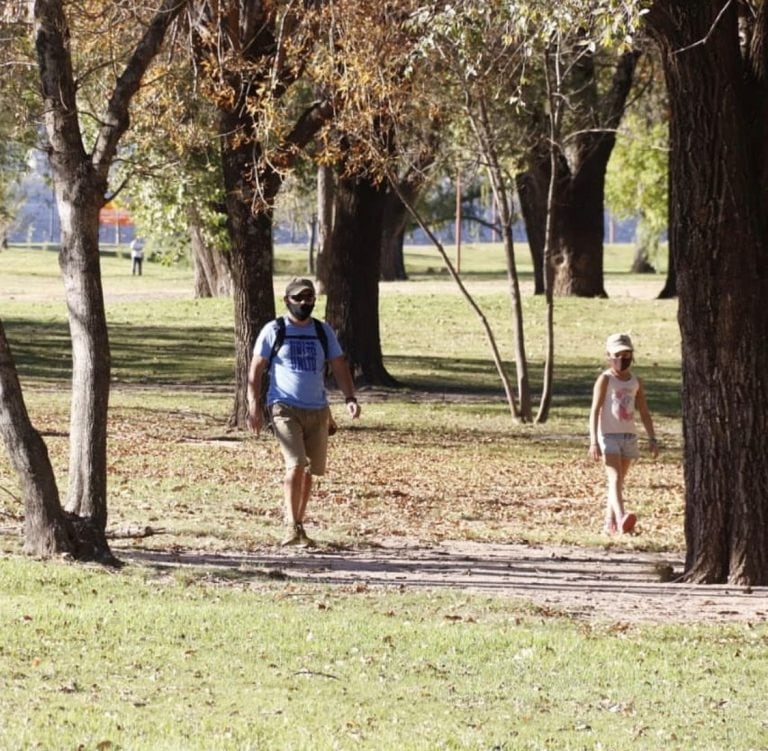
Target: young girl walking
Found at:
x=617, y=395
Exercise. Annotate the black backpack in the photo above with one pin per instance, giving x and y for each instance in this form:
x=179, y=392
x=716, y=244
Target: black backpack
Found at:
x=279, y=339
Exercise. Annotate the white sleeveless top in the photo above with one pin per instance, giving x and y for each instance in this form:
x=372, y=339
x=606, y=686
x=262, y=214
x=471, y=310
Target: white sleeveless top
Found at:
x=618, y=412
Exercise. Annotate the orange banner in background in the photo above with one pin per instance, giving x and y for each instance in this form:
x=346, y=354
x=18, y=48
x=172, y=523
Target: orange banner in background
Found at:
x=114, y=215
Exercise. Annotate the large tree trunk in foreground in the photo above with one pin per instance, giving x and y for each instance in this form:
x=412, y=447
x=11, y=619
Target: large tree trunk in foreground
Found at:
x=353, y=281
x=91, y=361
x=80, y=186
x=45, y=528
x=48, y=530
x=80, y=189
x=718, y=239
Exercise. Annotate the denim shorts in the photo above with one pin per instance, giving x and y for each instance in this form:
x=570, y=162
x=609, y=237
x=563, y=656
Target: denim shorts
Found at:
x=623, y=444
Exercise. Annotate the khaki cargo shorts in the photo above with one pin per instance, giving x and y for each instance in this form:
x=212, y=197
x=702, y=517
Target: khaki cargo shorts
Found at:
x=302, y=435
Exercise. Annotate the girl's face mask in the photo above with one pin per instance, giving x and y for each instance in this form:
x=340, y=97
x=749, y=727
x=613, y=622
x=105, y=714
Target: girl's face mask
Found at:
x=620, y=364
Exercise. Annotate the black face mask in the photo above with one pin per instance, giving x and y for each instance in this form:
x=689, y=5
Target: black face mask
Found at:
x=302, y=311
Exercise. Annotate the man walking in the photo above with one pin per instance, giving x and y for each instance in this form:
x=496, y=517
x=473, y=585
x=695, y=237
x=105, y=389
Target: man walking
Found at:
x=293, y=350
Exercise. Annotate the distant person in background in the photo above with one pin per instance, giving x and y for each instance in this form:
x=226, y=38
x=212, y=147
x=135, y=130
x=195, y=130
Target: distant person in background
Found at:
x=137, y=255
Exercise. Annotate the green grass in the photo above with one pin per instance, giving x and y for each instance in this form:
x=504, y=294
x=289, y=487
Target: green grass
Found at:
x=149, y=659
x=207, y=658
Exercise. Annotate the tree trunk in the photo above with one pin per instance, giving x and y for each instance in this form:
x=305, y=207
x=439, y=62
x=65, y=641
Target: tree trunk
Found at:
x=353, y=281
x=80, y=186
x=669, y=290
x=579, y=260
x=579, y=224
x=395, y=217
x=482, y=128
x=254, y=51
x=641, y=261
x=718, y=239
x=91, y=362
x=80, y=189
x=45, y=527
x=312, y=244
x=252, y=251
x=326, y=188
x=212, y=275
x=670, y=285
x=579, y=268
x=532, y=191
x=395, y=214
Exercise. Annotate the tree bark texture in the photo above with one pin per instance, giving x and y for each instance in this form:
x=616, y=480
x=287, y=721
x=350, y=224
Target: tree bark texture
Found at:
x=394, y=219
x=579, y=268
x=252, y=50
x=718, y=240
x=353, y=280
x=580, y=187
x=80, y=189
x=252, y=252
x=392, y=241
x=532, y=191
x=326, y=188
x=212, y=275
x=395, y=214
x=45, y=527
x=91, y=361
x=80, y=185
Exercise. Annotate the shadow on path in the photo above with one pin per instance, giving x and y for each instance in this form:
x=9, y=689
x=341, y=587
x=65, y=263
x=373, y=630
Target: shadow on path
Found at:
x=597, y=584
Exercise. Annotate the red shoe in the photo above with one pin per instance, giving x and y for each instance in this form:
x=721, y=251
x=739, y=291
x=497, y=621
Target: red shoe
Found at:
x=628, y=523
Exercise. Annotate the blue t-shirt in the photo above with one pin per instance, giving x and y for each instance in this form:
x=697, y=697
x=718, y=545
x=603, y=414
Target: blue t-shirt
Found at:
x=297, y=374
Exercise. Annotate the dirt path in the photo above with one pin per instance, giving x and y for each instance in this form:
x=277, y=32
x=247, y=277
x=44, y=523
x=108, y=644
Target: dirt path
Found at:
x=594, y=584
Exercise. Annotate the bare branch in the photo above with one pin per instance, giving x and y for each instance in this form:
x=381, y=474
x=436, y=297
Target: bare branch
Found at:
x=117, y=117
x=711, y=31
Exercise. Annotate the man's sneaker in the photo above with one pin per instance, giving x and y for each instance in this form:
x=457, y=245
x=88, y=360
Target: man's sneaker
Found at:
x=294, y=536
x=628, y=523
x=305, y=540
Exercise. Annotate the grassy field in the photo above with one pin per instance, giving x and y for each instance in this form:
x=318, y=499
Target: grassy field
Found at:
x=151, y=658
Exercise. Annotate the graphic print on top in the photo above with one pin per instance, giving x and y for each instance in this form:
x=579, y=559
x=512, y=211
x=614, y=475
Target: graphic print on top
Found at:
x=622, y=404
x=302, y=354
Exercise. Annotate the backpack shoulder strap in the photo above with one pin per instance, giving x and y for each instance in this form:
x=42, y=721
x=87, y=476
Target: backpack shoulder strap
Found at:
x=321, y=335
x=279, y=339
